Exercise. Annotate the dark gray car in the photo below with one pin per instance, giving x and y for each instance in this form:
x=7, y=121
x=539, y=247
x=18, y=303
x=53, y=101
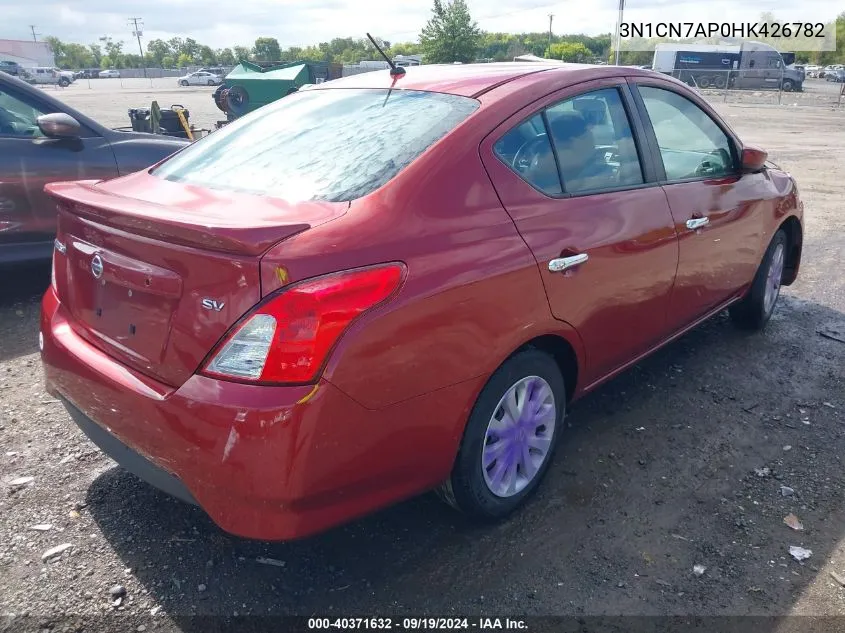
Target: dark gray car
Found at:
x=43, y=140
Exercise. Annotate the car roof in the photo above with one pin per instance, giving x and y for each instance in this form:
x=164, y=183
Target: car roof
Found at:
x=473, y=80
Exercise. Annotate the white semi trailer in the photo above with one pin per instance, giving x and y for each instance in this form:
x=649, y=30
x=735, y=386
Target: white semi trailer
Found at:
x=745, y=66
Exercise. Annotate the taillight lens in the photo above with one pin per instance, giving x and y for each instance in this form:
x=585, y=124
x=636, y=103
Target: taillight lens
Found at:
x=287, y=338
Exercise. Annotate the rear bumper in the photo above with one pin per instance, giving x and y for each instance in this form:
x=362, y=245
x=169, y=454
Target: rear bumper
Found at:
x=128, y=458
x=272, y=463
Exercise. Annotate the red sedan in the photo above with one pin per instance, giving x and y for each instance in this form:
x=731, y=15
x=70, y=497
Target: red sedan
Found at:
x=385, y=285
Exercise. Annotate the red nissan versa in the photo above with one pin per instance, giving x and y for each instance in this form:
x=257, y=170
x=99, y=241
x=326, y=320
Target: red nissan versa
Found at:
x=385, y=285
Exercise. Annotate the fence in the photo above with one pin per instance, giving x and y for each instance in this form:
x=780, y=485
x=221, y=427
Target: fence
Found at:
x=158, y=73
x=776, y=86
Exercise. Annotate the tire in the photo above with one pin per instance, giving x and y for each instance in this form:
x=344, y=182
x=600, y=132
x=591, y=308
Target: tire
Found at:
x=63, y=82
x=490, y=494
x=210, y=82
x=704, y=81
x=719, y=81
x=183, y=83
x=788, y=85
x=755, y=309
x=237, y=101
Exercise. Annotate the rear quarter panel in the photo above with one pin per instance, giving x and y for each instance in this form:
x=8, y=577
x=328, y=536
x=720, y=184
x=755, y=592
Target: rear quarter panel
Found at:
x=472, y=294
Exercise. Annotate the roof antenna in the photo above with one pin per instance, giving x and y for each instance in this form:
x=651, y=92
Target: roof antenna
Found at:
x=395, y=70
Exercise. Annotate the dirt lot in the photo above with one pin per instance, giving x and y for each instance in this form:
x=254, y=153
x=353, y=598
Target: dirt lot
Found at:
x=679, y=462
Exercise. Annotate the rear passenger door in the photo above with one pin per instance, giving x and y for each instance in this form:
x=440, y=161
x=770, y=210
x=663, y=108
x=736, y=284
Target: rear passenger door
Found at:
x=574, y=175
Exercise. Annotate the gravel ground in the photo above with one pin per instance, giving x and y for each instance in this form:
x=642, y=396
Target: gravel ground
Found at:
x=692, y=458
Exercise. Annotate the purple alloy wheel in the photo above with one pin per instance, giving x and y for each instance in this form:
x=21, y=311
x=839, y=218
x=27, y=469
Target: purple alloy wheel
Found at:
x=519, y=436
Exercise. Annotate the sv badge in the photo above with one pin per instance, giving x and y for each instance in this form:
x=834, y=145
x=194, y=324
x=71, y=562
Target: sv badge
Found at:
x=213, y=304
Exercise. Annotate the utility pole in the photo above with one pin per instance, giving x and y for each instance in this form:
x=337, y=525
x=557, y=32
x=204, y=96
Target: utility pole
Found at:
x=32, y=28
x=618, y=33
x=551, y=16
x=137, y=33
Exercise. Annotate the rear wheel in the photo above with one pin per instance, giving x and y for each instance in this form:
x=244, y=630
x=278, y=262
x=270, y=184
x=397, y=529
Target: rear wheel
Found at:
x=704, y=81
x=509, y=438
x=719, y=81
x=210, y=82
x=755, y=309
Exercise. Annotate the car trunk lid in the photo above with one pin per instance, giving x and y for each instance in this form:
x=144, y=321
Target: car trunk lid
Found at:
x=157, y=274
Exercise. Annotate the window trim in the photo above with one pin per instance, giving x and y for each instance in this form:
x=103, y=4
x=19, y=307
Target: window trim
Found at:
x=642, y=142
x=657, y=159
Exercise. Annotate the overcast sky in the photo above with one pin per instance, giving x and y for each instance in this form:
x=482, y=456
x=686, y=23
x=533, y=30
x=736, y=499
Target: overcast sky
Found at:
x=220, y=23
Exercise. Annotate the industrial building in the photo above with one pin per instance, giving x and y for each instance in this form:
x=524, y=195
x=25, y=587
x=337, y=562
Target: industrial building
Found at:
x=27, y=53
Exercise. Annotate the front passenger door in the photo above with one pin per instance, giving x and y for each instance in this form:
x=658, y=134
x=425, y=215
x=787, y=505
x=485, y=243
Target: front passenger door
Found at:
x=714, y=206
x=28, y=161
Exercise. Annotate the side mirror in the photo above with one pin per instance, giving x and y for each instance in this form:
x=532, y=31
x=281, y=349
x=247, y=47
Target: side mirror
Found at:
x=59, y=125
x=753, y=159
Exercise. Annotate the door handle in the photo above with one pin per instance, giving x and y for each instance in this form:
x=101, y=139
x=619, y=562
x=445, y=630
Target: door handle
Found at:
x=697, y=223
x=562, y=263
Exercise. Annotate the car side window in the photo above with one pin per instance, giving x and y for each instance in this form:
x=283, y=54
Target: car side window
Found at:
x=17, y=117
x=527, y=151
x=594, y=143
x=691, y=144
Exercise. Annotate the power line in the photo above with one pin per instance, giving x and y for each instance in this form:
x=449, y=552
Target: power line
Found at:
x=32, y=28
x=137, y=33
x=618, y=33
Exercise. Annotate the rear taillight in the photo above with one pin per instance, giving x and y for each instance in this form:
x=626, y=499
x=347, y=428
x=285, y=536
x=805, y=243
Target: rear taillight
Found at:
x=287, y=338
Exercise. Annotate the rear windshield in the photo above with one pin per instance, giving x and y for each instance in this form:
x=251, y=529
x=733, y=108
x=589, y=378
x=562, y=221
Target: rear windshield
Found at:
x=334, y=145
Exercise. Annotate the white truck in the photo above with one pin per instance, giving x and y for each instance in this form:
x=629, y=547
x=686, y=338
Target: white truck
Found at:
x=47, y=75
x=744, y=66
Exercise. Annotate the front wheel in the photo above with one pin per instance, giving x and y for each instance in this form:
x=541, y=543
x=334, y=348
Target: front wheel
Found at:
x=755, y=309
x=509, y=438
x=210, y=82
x=788, y=85
x=64, y=83
x=183, y=83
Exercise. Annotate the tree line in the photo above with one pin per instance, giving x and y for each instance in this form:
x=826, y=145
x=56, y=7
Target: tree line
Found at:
x=450, y=35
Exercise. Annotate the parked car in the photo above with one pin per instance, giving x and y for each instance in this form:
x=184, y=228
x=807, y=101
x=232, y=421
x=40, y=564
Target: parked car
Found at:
x=827, y=70
x=200, y=78
x=109, y=74
x=42, y=140
x=49, y=76
x=91, y=73
x=382, y=285
x=10, y=68
x=813, y=70
x=835, y=75
x=214, y=71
